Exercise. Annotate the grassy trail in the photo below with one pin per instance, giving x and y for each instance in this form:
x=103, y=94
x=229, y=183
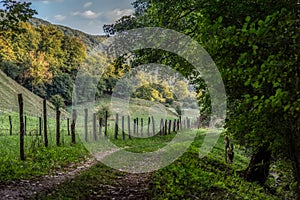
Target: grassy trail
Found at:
x=189, y=177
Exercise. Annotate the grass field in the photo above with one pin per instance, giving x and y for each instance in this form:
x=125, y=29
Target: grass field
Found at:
x=41, y=160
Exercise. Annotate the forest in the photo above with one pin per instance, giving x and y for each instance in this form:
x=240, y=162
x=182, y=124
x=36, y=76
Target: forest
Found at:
x=254, y=45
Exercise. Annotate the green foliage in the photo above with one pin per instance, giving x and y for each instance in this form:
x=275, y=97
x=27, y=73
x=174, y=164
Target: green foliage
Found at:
x=12, y=12
x=253, y=44
x=178, y=110
x=57, y=101
x=90, y=41
x=101, y=113
x=42, y=59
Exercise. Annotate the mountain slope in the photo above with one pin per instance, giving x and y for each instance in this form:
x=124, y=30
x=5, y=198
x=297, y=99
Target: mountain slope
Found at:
x=90, y=41
x=9, y=90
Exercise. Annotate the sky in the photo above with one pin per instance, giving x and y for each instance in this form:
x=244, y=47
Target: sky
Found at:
x=88, y=16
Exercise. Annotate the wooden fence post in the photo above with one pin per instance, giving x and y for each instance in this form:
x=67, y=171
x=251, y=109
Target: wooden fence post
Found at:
x=45, y=123
x=180, y=123
x=100, y=126
x=123, y=128
x=174, y=125
x=85, y=124
x=148, y=130
x=169, y=128
x=128, y=123
x=40, y=126
x=22, y=130
x=134, y=127
x=153, y=125
x=166, y=127
x=25, y=125
x=106, y=119
x=142, y=128
x=161, y=130
x=10, y=125
x=68, y=126
x=73, y=125
x=95, y=126
x=116, y=126
x=57, y=126
x=137, y=126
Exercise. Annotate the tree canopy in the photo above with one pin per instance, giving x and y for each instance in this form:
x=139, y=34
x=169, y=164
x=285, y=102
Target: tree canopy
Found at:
x=255, y=45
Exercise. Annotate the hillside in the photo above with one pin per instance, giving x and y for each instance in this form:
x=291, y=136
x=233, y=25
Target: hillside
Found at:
x=90, y=41
x=9, y=90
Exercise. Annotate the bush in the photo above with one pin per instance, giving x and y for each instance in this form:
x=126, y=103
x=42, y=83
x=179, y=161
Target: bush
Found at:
x=101, y=112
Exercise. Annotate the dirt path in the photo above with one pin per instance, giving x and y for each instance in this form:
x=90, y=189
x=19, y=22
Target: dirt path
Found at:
x=25, y=189
x=128, y=186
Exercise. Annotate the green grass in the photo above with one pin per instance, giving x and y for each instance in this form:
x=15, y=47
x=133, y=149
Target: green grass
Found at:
x=9, y=90
x=189, y=177
x=39, y=160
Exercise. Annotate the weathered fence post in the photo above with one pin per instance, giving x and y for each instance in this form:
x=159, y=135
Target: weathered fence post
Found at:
x=57, y=126
x=45, y=122
x=153, y=125
x=105, y=128
x=40, y=126
x=95, y=126
x=128, y=121
x=142, y=126
x=100, y=126
x=86, y=124
x=174, y=125
x=137, y=126
x=68, y=125
x=123, y=128
x=10, y=125
x=22, y=130
x=169, y=128
x=148, y=130
x=73, y=125
x=134, y=127
x=180, y=123
x=161, y=130
x=25, y=125
x=116, y=126
x=166, y=127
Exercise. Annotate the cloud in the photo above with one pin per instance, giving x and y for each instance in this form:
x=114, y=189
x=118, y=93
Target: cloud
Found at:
x=88, y=14
x=117, y=13
x=59, y=17
x=87, y=4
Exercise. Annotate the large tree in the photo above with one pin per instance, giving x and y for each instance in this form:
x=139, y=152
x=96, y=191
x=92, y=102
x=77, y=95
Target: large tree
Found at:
x=255, y=45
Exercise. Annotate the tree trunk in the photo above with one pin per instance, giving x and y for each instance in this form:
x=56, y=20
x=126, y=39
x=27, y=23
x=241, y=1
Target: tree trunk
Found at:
x=259, y=166
x=294, y=156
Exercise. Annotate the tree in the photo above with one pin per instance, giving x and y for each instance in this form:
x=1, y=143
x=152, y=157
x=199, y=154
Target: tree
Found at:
x=253, y=44
x=12, y=12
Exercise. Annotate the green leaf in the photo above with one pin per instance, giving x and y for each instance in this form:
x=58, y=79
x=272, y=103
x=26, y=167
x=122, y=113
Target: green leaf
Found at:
x=248, y=18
